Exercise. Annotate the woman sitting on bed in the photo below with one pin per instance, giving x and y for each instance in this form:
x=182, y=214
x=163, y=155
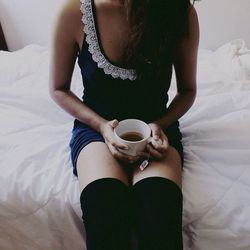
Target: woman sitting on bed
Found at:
x=126, y=50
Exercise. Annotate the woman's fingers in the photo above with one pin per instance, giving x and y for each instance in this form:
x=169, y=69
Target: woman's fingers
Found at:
x=157, y=145
x=114, y=123
x=117, y=144
x=114, y=145
x=156, y=131
x=111, y=138
x=124, y=157
x=160, y=145
x=154, y=153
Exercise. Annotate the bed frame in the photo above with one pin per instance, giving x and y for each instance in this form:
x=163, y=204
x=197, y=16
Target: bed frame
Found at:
x=3, y=44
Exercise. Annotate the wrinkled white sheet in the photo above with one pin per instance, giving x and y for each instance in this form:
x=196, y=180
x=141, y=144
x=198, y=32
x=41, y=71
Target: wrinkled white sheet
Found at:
x=39, y=195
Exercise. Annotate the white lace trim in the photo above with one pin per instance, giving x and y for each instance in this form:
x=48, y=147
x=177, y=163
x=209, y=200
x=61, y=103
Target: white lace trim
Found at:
x=94, y=48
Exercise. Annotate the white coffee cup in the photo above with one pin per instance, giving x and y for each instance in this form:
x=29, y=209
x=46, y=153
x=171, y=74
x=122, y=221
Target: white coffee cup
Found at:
x=134, y=126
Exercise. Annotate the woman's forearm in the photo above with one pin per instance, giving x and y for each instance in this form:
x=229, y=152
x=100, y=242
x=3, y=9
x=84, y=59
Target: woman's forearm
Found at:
x=67, y=100
x=177, y=108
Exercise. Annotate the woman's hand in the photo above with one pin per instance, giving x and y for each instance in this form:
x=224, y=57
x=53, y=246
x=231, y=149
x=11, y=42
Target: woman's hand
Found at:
x=107, y=131
x=158, y=146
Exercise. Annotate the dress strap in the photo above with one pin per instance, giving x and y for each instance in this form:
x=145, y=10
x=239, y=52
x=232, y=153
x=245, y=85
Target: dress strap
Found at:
x=94, y=46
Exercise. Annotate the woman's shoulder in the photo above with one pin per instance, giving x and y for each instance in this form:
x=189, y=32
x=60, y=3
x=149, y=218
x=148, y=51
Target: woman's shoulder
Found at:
x=70, y=10
x=108, y=3
x=69, y=17
x=107, y=7
x=192, y=35
x=193, y=22
x=192, y=12
x=192, y=16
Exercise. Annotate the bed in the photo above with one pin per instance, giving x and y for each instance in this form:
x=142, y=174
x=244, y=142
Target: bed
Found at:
x=39, y=195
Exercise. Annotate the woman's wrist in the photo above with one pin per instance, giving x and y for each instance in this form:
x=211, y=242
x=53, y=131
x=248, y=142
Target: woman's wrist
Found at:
x=161, y=123
x=99, y=125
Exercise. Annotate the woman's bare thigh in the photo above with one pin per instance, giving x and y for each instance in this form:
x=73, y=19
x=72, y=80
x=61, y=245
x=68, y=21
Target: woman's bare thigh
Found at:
x=169, y=167
x=95, y=161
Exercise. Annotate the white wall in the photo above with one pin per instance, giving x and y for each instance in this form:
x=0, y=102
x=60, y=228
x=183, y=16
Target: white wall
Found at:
x=222, y=21
x=31, y=21
x=28, y=21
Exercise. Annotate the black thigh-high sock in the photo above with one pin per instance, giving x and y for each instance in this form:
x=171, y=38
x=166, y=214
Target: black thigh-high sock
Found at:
x=157, y=214
x=106, y=211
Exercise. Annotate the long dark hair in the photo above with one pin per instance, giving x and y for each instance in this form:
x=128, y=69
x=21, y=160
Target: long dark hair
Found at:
x=157, y=26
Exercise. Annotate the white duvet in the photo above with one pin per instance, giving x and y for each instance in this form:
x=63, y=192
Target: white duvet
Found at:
x=39, y=195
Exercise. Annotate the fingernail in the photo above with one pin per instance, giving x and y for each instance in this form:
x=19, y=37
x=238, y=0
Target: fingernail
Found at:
x=115, y=123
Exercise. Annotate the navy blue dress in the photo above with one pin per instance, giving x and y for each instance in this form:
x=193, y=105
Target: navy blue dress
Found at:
x=114, y=92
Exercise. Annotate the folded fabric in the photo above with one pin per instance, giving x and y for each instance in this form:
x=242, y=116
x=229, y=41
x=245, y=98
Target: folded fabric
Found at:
x=233, y=59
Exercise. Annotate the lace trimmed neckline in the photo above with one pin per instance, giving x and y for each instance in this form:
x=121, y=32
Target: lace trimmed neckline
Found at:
x=94, y=47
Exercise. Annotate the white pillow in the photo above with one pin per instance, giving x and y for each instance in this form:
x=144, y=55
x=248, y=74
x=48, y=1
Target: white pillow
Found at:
x=233, y=60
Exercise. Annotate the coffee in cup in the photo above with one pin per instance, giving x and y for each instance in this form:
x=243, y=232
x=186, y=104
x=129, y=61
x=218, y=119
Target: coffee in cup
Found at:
x=132, y=136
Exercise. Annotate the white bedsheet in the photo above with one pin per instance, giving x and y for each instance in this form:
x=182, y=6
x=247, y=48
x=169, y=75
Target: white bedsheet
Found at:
x=39, y=195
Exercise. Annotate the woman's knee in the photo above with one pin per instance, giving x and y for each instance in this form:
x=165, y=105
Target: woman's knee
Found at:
x=157, y=211
x=169, y=167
